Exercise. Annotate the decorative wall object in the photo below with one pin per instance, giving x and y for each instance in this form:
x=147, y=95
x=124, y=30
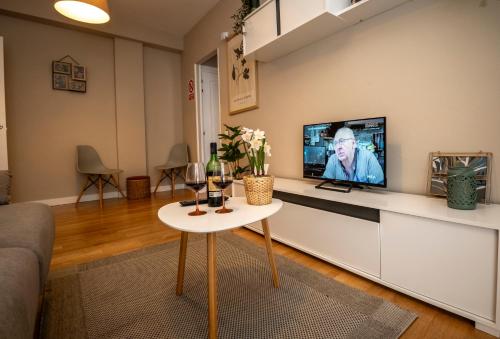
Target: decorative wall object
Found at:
x=79, y=73
x=440, y=162
x=61, y=67
x=60, y=81
x=242, y=77
x=77, y=86
x=69, y=76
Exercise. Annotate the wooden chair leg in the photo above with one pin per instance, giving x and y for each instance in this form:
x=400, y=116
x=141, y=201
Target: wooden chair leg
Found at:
x=212, y=286
x=269, y=247
x=99, y=184
x=117, y=185
x=172, y=180
x=159, y=180
x=84, y=188
x=182, y=263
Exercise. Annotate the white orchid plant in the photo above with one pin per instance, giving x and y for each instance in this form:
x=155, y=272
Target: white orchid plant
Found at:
x=256, y=148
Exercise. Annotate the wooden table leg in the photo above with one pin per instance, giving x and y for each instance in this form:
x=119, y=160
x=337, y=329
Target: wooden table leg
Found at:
x=212, y=286
x=182, y=263
x=269, y=247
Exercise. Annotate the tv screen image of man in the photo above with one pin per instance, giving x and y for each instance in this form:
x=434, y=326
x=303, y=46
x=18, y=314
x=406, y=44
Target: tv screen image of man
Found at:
x=350, y=163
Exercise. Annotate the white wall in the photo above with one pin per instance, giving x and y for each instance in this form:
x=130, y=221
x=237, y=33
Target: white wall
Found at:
x=431, y=66
x=45, y=125
x=162, y=76
x=4, y=163
x=117, y=26
x=130, y=122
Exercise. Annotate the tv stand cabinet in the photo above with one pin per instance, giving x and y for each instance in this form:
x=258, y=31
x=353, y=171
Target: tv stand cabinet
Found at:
x=411, y=243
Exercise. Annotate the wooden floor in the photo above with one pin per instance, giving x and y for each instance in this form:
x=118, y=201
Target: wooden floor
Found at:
x=87, y=233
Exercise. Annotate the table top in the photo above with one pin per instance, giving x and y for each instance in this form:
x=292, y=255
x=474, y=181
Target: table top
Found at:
x=176, y=216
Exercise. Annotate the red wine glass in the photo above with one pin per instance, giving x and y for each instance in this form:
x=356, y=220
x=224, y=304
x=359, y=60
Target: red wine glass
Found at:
x=196, y=180
x=223, y=178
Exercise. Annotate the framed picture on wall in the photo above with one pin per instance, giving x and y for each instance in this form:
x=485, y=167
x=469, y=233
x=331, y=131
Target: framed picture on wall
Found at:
x=242, y=77
x=77, y=86
x=439, y=163
x=60, y=81
x=69, y=76
x=79, y=73
x=61, y=67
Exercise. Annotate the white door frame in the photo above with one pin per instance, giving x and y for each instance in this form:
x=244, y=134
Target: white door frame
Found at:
x=4, y=165
x=198, y=101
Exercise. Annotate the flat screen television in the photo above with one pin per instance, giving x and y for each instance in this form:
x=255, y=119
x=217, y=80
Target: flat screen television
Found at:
x=347, y=152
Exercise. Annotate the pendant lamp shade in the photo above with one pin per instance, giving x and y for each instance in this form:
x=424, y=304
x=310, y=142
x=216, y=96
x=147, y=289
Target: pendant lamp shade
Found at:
x=89, y=11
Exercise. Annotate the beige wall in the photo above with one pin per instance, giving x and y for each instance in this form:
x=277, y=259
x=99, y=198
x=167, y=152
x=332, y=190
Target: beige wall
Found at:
x=430, y=66
x=200, y=43
x=130, y=122
x=162, y=76
x=44, y=125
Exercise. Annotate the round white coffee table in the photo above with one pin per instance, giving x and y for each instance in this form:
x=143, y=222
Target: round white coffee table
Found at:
x=176, y=216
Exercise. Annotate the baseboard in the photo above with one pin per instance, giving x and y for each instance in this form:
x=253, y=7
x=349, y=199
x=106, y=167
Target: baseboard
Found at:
x=72, y=199
x=488, y=329
x=95, y=196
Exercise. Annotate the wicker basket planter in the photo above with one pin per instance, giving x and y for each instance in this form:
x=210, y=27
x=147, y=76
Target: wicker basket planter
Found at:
x=138, y=187
x=258, y=190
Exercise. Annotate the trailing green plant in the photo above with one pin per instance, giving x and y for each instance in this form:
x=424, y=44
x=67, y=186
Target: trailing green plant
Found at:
x=239, y=16
x=231, y=148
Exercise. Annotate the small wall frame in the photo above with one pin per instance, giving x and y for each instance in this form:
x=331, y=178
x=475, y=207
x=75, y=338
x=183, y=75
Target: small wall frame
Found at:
x=439, y=162
x=242, y=80
x=69, y=75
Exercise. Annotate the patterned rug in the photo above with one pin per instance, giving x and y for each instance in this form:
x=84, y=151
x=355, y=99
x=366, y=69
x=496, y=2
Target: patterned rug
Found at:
x=133, y=296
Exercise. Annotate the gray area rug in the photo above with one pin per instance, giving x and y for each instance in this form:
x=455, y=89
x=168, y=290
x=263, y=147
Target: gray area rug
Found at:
x=133, y=296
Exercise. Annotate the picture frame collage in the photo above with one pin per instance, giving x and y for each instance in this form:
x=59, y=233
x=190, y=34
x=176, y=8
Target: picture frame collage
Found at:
x=67, y=76
x=439, y=162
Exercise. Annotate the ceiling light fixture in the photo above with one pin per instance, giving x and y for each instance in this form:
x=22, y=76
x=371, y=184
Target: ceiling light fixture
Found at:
x=89, y=11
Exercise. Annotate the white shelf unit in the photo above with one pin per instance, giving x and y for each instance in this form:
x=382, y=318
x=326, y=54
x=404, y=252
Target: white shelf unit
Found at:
x=302, y=23
x=415, y=244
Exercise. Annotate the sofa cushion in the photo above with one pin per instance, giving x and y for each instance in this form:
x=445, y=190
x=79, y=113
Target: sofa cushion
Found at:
x=4, y=187
x=31, y=226
x=19, y=287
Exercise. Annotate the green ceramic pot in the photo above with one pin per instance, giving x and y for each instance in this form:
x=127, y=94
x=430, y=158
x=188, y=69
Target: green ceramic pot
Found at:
x=462, y=188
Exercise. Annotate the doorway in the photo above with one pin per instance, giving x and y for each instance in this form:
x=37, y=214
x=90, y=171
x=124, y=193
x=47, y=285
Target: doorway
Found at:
x=3, y=125
x=208, y=117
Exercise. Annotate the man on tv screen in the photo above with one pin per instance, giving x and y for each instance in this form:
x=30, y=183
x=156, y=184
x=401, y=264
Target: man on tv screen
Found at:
x=350, y=163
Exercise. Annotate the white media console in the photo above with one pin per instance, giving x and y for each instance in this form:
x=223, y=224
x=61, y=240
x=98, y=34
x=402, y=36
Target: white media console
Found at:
x=411, y=243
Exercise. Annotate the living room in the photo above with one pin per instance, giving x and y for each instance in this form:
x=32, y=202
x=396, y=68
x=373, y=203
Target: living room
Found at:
x=137, y=86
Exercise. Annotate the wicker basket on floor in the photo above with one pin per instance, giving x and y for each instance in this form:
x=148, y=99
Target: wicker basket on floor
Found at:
x=138, y=187
x=258, y=190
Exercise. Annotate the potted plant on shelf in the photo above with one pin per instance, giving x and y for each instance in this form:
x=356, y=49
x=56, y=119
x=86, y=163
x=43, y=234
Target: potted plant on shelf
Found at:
x=231, y=148
x=258, y=185
x=247, y=6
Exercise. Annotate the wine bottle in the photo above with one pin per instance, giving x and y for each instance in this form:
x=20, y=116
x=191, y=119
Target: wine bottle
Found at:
x=214, y=194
